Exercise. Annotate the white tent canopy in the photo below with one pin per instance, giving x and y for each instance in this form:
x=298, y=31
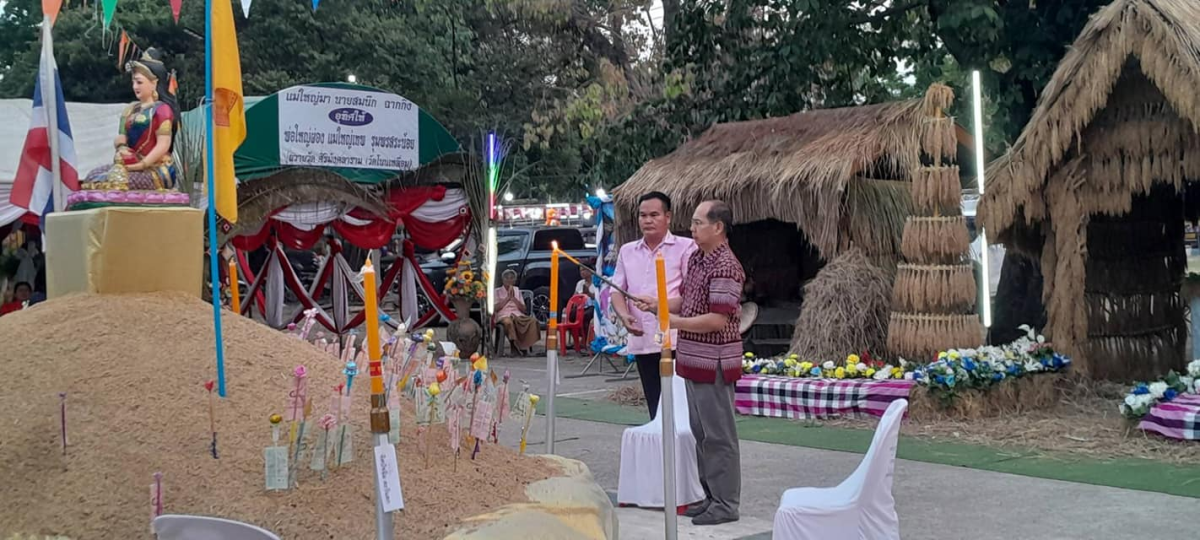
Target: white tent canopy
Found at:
x=93, y=126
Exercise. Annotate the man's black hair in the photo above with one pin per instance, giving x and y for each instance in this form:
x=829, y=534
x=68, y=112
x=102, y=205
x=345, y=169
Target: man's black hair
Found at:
x=666, y=201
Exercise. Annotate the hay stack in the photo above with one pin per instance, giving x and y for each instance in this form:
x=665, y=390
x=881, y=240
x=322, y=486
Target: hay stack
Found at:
x=845, y=310
x=934, y=292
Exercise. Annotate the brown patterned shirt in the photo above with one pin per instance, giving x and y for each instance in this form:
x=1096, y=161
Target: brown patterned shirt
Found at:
x=713, y=285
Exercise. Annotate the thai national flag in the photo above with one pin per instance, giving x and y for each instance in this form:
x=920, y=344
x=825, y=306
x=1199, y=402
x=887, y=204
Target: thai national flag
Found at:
x=33, y=187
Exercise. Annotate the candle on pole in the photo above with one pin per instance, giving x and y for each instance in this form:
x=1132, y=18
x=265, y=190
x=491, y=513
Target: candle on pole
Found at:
x=986, y=304
x=235, y=293
x=380, y=421
x=552, y=348
x=666, y=370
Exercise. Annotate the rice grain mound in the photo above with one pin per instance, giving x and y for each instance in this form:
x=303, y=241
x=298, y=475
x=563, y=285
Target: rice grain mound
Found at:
x=133, y=368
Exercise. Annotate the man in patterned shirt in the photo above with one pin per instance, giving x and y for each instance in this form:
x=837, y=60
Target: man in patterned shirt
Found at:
x=710, y=358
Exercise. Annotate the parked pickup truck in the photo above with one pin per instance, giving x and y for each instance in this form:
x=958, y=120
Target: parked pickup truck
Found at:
x=527, y=251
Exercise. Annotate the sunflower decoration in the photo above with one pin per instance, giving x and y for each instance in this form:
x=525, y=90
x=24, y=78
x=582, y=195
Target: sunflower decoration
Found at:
x=461, y=283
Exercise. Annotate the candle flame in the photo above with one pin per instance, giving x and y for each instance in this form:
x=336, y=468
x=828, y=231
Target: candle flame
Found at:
x=554, y=245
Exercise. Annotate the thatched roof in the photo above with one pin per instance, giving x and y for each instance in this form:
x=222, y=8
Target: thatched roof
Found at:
x=1131, y=41
x=257, y=199
x=838, y=174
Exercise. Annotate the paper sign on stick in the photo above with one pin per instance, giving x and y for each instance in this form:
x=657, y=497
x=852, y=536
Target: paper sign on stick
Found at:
x=481, y=422
x=319, y=451
x=346, y=446
x=388, y=477
x=276, y=458
x=394, y=421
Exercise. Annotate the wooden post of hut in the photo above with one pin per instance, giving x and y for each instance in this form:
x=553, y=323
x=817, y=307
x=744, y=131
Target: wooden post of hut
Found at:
x=933, y=299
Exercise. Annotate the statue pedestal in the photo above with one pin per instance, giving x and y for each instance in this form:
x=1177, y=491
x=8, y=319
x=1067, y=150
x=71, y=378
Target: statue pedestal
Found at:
x=118, y=250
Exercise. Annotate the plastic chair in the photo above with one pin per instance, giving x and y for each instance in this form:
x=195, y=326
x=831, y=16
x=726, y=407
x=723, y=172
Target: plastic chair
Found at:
x=573, y=319
x=640, y=482
x=861, y=507
x=179, y=527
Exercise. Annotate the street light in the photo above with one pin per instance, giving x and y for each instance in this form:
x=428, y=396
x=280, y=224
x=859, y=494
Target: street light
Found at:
x=600, y=192
x=351, y=78
x=508, y=196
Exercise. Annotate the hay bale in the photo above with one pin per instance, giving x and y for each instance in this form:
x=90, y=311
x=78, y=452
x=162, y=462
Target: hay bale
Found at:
x=920, y=337
x=845, y=310
x=1040, y=392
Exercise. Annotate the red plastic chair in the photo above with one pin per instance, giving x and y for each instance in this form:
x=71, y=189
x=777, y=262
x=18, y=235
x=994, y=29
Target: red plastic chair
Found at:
x=573, y=318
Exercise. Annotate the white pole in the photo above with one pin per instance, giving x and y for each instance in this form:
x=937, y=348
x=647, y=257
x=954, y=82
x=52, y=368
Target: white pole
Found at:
x=50, y=104
x=980, y=165
x=552, y=374
x=666, y=370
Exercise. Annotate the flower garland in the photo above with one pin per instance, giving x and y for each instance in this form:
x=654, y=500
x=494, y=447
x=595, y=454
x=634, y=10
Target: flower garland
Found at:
x=1144, y=396
x=952, y=370
x=461, y=283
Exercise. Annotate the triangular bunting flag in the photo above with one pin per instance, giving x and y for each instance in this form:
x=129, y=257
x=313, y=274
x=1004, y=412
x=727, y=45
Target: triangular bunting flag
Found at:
x=110, y=8
x=121, y=48
x=315, y=2
x=176, y=5
x=50, y=9
x=246, y=8
x=173, y=85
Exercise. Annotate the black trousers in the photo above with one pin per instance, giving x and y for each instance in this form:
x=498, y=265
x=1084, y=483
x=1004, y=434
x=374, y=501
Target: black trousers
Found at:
x=647, y=365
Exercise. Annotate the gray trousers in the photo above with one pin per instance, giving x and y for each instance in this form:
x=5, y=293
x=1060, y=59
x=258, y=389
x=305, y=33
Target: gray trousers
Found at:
x=710, y=407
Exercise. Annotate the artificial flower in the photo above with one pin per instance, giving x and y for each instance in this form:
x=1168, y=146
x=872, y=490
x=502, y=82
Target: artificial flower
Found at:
x=828, y=365
x=870, y=372
x=852, y=360
x=840, y=373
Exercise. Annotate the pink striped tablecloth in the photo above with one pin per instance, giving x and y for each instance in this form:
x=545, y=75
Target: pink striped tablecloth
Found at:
x=1177, y=419
x=804, y=399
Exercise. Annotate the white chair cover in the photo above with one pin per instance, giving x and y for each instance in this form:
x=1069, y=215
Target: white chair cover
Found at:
x=178, y=527
x=641, y=480
x=861, y=507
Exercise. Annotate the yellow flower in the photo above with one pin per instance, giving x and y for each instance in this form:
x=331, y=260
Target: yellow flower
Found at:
x=852, y=360
x=749, y=355
x=852, y=369
x=468, y=275
x=941, y=355
x=794, y=356
x=840, y=373
x=806, y=366
x=870, y=372
x=789, y=362
x=897, y=373
x=954, y=355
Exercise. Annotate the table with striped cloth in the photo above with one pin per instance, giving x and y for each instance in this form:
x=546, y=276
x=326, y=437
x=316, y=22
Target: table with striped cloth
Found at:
x=1177, y=419
x=804, y=399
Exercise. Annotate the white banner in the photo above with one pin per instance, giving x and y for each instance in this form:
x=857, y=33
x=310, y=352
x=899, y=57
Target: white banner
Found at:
x=337, y=127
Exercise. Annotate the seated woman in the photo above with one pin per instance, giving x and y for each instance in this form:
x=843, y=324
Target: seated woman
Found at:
x=147, y=134
x=521, y=328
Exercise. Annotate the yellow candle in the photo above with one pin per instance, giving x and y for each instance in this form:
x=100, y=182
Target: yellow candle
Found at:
x=235, y=293
x=664, y=316
x=371, y=327
x=553, y=286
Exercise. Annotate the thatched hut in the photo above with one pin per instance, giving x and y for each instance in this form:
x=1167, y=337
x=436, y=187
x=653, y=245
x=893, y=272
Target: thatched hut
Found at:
x=803, y=188
x=1094, y=188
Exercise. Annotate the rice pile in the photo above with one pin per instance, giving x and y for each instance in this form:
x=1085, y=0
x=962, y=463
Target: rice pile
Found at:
x=133, y=368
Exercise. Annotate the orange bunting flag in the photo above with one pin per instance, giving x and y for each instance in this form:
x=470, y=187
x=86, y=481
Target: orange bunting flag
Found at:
x=121, y=50
x=173, y=85
x=50, y=9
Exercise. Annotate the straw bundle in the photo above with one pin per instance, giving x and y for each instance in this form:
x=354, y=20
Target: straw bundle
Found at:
x=937, y=191
x=938, y=98
x=845, y=310
x=938, y=140
x=921, y=337
x=935, y=240
x=1013, y=396
x=934, y=289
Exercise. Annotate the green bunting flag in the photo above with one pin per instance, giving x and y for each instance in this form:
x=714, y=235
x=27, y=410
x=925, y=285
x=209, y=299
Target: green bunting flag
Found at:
x=110, y=8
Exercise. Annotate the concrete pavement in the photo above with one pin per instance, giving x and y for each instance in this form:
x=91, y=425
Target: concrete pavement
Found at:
x=935, y=502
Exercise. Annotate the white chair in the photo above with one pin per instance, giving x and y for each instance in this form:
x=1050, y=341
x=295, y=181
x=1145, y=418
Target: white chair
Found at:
x=641, y=480
x=861, y=507
x=178, y=527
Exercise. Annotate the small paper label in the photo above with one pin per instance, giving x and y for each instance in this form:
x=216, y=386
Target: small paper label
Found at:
x=520, y=407
x=481, y=422
x=423, y=407
x=346, y=404
x=276, y=458
x=454, y=427
x=319, y=452
x=388, y=478
x=439, y=409
x=345, y=451
x=394, y=425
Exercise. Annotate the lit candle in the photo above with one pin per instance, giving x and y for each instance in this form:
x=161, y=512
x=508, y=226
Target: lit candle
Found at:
x=371, y=327
x=664, y=316
x=553, y=286
x=235, y=301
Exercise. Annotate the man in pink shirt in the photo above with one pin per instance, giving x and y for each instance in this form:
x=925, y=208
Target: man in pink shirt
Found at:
x=636, y=274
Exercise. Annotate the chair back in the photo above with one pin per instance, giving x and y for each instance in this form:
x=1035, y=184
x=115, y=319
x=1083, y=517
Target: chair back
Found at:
x=679, y=397
x=574, y=311
x=872, y=480
x=180, y=527
x=527, y=296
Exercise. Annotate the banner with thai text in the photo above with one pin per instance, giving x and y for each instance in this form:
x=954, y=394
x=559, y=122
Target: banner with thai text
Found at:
x=339, y=127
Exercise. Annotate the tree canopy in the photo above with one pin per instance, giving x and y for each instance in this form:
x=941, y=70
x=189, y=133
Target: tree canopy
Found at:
x=589, y=89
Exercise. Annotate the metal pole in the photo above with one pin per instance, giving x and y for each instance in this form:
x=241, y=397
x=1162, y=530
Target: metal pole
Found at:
x=980, y=165
x=666, y=369
x=552, y=373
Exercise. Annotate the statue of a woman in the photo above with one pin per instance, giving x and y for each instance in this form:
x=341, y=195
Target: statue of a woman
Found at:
x=147, y=134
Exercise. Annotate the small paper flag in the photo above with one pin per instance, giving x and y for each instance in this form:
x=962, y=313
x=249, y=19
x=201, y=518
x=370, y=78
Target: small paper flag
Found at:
x=176, y=5
x=50, y=8
x=110, y=8
x=121, y=48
